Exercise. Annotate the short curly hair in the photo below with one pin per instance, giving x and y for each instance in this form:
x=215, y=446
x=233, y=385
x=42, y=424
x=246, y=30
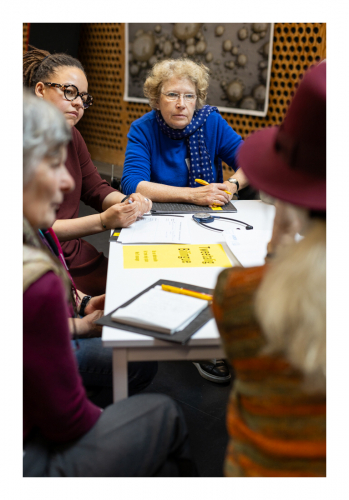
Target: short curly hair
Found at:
x=180, y=68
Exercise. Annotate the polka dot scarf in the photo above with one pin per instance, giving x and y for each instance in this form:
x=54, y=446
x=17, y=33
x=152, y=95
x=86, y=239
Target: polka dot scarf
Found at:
x=200, y=162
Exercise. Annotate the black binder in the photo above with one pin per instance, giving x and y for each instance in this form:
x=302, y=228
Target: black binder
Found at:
x=115, y=235
x=180, y=337
x=188, y=208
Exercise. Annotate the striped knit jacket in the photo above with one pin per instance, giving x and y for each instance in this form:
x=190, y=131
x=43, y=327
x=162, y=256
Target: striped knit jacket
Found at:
x=276, y=429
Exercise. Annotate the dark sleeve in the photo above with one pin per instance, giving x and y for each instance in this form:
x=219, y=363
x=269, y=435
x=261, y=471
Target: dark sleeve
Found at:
x=137, y=165
x=228, y=142
x=54, y=399
x=94, y=189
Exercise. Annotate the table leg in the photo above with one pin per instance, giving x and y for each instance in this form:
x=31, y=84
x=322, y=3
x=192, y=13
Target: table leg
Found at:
x=120, y=380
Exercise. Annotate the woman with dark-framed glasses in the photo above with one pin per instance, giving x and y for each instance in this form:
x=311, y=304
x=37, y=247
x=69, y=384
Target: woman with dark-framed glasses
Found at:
x=180, y=140
x=61, y=79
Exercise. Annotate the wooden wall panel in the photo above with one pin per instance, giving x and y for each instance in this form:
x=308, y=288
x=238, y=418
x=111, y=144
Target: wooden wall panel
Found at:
x=104, y=128
x=25, y=36
x=105, y=125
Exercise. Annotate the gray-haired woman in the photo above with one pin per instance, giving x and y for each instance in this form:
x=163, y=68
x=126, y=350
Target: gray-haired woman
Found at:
x=64, y=433
x=44, y=157
x=180, y=140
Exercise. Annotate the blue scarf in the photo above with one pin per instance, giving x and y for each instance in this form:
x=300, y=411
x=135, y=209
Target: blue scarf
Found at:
x=200, y=162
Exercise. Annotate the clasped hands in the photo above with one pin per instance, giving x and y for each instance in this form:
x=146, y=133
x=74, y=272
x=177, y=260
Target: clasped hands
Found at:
x=85, y=327
x=124, y=214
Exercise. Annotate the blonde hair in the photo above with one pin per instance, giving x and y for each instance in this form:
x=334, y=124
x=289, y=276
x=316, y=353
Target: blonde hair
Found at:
x=291, y=306
x=162, y=71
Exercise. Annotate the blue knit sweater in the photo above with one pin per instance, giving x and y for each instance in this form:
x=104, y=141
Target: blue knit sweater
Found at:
x=152, y=156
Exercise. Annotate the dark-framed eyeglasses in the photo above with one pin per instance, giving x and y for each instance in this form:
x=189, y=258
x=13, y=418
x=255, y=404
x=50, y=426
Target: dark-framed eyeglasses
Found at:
x=174, y=96
x=71, y=93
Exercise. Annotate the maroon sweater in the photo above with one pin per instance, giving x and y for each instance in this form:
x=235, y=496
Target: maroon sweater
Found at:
x=54, y=399
x=89, y=188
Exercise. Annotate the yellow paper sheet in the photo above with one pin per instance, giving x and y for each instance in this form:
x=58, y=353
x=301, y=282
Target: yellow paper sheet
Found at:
x=150, y=256
x=217, y=208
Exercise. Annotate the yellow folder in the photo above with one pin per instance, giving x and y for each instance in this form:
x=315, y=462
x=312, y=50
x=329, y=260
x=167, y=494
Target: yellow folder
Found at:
x=151, y=256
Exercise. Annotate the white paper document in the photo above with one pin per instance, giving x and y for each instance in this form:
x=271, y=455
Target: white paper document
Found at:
x=160, y=311
x=156, y=230
x=248, y=246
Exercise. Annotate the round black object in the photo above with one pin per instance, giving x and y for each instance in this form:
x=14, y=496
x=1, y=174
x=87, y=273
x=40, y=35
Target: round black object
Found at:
x=203, y=217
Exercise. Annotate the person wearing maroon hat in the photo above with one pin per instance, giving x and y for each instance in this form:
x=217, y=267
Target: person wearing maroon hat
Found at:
x=272, y=318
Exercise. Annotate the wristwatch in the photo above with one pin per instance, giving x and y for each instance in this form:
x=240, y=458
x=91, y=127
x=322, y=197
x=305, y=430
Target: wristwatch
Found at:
x=234, y=181
x=83, y=304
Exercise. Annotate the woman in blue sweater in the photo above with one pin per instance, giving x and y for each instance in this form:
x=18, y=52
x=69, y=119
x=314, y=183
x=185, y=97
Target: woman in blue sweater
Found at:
x=180, y=140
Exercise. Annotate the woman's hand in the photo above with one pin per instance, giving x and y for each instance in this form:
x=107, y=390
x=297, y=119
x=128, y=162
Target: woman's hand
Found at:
x=95, y=304
x=231, y=187
x=120, y=215
x=85, y=327
x=144, y=203
x=126, y=213
x=212, y=194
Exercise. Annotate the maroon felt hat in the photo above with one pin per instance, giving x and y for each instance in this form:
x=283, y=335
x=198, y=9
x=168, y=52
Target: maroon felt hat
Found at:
x=289, y=162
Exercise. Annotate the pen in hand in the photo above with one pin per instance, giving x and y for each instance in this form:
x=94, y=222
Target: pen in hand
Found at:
x=205, y=183
x=127, y=198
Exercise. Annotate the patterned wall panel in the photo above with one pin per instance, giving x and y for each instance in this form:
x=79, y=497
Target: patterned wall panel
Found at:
x=296, y=47
x=105, y=125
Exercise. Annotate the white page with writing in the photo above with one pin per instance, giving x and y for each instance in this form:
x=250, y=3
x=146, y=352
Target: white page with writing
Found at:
x=248, y=246
x=162, y=309
x=154, y=229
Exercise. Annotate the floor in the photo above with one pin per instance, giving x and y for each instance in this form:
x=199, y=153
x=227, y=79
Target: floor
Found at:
x=203, y=402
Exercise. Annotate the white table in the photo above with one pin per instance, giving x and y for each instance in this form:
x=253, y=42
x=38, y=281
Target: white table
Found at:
x=123, y=284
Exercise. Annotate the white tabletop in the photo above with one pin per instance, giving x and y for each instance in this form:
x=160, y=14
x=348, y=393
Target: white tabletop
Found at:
x=123, y=284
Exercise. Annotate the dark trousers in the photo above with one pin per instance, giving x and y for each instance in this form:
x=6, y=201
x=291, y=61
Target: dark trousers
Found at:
x=145, y=435
x=96, y=369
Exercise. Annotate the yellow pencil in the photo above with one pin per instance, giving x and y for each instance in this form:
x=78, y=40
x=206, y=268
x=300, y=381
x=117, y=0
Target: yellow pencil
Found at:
x=183, y=291
x=205, y=183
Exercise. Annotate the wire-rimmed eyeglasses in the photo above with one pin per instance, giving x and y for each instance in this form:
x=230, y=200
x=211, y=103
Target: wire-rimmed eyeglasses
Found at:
x=174, y=96
x=71, y=92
